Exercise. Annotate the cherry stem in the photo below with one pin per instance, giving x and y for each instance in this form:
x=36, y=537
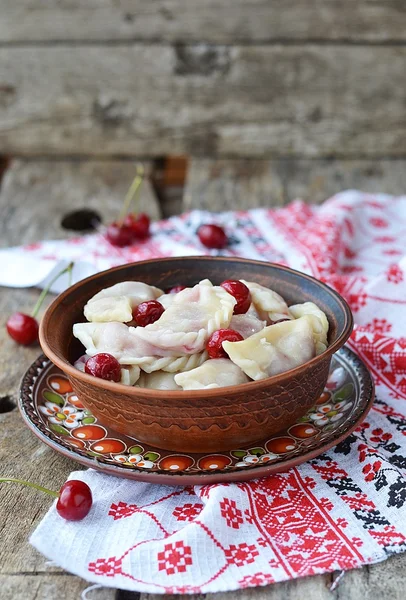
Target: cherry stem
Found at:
x=45, y=291
x=29, y=484
x=132, y=192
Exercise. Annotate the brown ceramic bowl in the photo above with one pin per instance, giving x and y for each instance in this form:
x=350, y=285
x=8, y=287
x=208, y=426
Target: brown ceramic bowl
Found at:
x=202, y=420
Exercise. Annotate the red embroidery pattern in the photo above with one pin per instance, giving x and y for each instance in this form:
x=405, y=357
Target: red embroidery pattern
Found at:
x=241, y=555
x=187, y=512
x=175, y=558
x=231, y=513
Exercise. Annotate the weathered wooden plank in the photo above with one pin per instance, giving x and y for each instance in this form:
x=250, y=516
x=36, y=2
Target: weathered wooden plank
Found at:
x=35, y=196
x=385, y=579
x=204, y=100
x=219, y=21
x=49, y=587
x=382, y=580
x=241, y=184
x=22, y=455
x=314, y=588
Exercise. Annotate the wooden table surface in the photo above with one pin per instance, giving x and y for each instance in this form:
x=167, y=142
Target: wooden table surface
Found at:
x=33, y=199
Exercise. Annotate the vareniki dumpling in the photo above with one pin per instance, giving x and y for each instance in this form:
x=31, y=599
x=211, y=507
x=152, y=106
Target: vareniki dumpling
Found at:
x=269, y=305
x=214, y=373
x=117, y=302
x=246, y=324
x=159, y=380
x=318, y=320
x=275, y=349
x=190, y=319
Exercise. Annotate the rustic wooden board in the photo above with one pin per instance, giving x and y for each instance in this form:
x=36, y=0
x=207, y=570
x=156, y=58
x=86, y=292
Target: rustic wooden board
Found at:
x=259, y=101
x=36, y=196
x=241, y=184
x=381, y=580
x=49, y=587
x=219, y=21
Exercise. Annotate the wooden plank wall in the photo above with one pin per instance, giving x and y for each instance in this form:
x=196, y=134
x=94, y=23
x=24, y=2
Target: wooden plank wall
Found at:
x=290, y=81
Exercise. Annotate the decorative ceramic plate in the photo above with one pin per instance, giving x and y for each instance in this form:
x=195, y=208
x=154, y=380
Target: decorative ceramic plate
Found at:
x=57, y=417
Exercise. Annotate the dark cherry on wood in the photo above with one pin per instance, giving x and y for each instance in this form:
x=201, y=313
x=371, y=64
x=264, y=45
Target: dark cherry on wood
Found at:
x=201, y=420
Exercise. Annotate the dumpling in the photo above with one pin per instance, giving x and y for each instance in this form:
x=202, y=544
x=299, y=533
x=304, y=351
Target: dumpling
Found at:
x=118, y=340
x=318, y=319
x=158, y=381
x=269, y=305
x=173, y=364
x=129, y=373
x=117, y=302
x=246, y=324
x=190, y=319
x=215, y=373
x=275, y=349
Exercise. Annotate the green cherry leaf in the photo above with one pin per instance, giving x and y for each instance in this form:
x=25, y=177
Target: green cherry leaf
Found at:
x=344, y=393
x=88, y=420
x=152, y=456
x=136, y=450
x=54, y=398
x=256, y=451
x=58, y=429
x=238, y=453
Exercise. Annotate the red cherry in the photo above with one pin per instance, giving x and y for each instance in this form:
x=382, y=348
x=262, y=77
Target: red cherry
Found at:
x=119, y=235
x=212, y=236
x=214, y=345
x=175, y=289
x=104, y=366
x=22, y=328
x=240, y=292
x=75, y=500
x=139, y=225
x=148, y=312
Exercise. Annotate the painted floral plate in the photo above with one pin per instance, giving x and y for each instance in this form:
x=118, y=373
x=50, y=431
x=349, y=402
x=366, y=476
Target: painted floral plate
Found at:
x=56, y=415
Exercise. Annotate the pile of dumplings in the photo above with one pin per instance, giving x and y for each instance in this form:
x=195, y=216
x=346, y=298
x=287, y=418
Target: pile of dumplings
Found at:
x=170, y=354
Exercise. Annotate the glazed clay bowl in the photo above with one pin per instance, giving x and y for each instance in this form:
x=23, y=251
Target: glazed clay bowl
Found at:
x=202, y=420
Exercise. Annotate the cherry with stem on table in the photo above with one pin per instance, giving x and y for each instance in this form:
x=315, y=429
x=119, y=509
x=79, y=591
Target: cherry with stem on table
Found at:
x=23, y=328
x=74, y=498
x=129, y=227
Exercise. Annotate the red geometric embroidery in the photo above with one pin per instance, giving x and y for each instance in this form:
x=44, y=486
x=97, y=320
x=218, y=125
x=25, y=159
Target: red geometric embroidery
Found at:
x=394, y=274
x=370, y=470
x=122, y=510
x=295, y=525
x=187, y=512
x=106, y=566
x=231, y=513
x=256, y=579
x=379, y=326
x=385, y=356
x=175, y=558
x=241, y=555
x=377, y=222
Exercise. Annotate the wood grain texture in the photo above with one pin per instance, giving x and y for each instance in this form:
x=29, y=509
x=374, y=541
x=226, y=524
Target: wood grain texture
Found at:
x=34, y=197
x=242, y=184
x=260, y=101
x=23, y=456
x=50, y=587
x=219, y=21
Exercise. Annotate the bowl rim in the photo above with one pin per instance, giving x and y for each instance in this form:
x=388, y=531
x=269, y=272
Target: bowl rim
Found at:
x=253, y=386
